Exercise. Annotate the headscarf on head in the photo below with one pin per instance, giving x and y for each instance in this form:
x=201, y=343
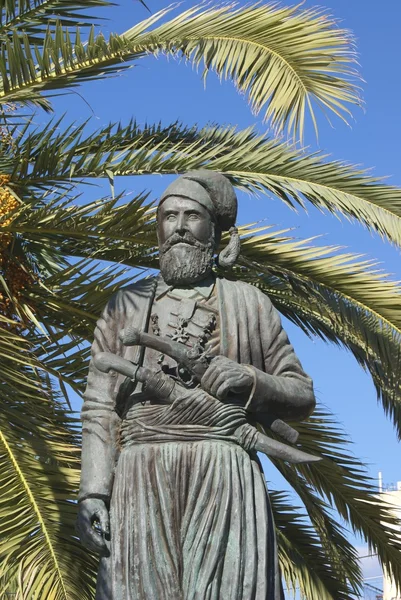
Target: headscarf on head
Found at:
x=215, y=193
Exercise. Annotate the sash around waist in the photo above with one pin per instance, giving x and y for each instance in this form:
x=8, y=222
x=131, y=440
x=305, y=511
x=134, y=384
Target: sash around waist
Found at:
x=138, y=433
x=197, y=416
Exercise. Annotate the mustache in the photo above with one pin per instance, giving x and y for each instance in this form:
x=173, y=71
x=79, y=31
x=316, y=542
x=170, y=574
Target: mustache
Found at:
x=177, y=238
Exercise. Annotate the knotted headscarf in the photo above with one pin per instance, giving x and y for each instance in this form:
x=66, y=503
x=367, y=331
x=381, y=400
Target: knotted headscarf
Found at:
x=215, y=193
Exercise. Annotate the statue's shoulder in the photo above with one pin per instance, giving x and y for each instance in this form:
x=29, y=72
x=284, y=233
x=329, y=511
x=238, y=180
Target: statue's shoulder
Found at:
x=142, y=287
x=140, y=290
x=246, y=290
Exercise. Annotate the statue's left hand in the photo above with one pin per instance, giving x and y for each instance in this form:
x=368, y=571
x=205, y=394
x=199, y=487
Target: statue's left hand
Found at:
x=224, y=376
x=91, y=512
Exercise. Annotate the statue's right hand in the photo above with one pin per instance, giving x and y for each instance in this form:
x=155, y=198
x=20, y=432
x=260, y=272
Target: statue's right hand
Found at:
x=93, y=525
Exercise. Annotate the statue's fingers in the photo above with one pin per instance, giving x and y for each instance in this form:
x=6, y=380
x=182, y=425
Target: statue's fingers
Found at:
x=224, y=388
x=223, y=379
x=90, y=537
x=102, y=515
x=220, y=361
x=93, y=540
x=83, y=522
x=235, y=383
x=210, y=377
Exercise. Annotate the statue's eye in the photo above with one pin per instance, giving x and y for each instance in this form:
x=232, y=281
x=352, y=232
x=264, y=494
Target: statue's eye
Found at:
x=170, y=217
x=193, y=216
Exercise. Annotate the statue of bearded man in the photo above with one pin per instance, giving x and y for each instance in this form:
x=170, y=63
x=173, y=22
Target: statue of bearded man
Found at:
x=172, y=501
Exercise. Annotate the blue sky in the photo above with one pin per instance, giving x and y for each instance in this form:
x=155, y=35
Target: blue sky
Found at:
x=165, y=90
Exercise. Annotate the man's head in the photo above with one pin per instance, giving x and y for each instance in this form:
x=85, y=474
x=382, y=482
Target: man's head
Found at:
x=187, y=240
x=192, y=213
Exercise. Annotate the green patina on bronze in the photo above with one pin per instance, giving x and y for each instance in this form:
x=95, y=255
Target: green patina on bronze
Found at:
x=184, y=367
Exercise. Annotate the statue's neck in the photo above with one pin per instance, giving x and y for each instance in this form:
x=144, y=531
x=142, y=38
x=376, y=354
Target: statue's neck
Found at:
x=204, y=283
x=204, y=287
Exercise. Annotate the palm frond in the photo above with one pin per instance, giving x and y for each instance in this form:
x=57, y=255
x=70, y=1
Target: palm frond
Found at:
x=358, y=280
x=67, y=306
x=344, y=328
x=15, y=356
x=33, y=16
x=339, y=297
x=284, y=59
x=315, y=558
x=253, y=163
x=256, y=163
x=105, y=228
x=39, y=474
x=342, y=481
x=61, y=60
x=71, y=300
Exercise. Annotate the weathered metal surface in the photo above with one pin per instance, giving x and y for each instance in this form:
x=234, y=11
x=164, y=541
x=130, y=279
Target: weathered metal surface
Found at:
x=172, y=496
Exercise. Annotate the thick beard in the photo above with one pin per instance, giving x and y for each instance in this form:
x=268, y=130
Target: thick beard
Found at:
x=184, y=264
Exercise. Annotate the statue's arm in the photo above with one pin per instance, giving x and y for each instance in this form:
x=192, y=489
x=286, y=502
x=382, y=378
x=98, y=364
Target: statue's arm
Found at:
x=100, y=423
x=283, y=388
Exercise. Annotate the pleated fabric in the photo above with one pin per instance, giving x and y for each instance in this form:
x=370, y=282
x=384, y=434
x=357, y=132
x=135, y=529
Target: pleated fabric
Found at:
x=191, y=521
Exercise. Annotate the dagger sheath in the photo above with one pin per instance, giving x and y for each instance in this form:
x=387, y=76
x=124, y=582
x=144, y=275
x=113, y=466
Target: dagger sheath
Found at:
x=165, y=387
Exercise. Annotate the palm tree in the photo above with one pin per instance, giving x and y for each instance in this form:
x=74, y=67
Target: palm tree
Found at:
x=54, y=283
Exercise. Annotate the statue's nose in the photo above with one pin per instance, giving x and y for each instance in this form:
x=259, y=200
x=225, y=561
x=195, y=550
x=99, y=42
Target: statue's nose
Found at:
x=181, y=226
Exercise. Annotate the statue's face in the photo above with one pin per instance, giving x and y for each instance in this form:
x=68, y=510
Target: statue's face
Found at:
x=183, y=216
x=186, y=235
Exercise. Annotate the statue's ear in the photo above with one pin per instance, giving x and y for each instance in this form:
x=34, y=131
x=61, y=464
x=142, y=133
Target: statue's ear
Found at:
x=217, y=238
x=229, y=255
x=157, y=226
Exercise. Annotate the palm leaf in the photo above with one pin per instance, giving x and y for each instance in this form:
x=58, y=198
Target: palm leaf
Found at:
x=14, y=356
x=61, y=60
x=282, y=58
x=252, y=162
x=359, y=281
x=39, y=475
x=33, y=16
x=344, y=325
x=88, y=230
x=315, y=558
x=67, y=306
x=342, y=480
x=337, y=296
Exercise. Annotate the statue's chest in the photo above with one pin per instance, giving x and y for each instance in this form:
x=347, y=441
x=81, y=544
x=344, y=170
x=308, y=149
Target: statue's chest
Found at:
x=193, y=322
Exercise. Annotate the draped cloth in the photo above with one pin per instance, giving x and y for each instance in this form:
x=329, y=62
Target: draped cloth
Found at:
x=191, y=521
x=195, y=502
x=190, y=514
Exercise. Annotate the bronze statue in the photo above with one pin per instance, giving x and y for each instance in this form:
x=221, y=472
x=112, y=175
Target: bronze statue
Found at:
x=184, y=366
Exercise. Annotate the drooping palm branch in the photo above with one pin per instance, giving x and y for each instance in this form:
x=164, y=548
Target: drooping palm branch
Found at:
x=338, y=297
x=284, y=59
x=342, y=481
x=315, y=558
x=254, y=163
x=39, y=478
x=248, y=45
x=32, y=17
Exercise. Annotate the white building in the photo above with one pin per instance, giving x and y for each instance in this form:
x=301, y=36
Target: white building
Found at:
x=392, y=495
